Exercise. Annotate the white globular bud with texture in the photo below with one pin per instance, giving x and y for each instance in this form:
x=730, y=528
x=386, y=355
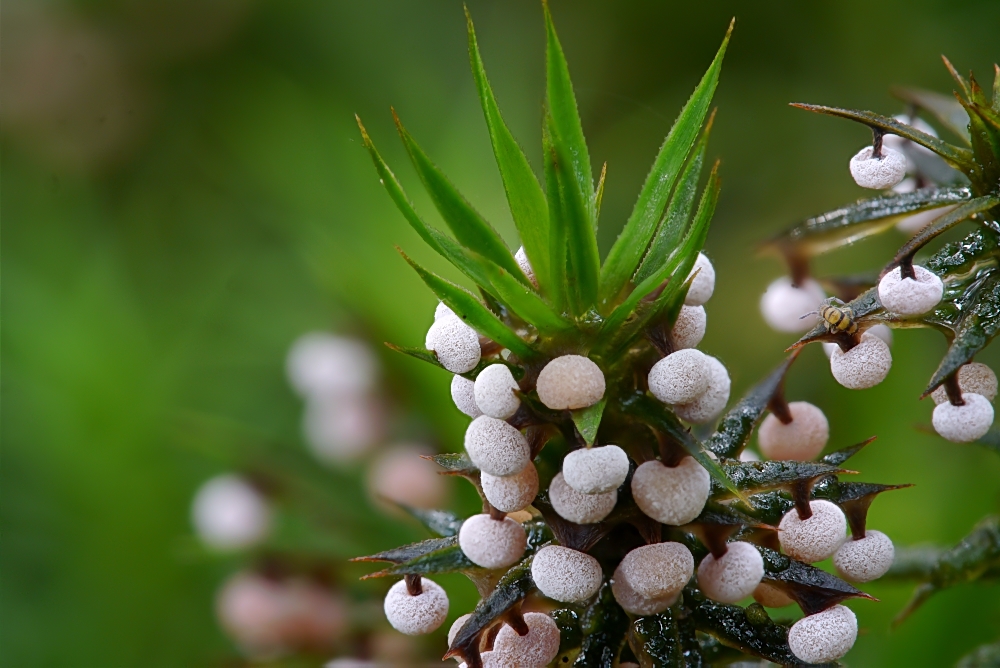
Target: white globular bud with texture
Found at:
x=710, y=404
x=816, y=538
x=496, y=392
x=878, y=173
x=703, y=284
x=463, y=393
x=801, y=440
x=658, y=570
x=496, y=447
x=733, y=576
x=680, y=377
x=455, y=344
x=513, y=492
x=442, y=310
x=521, y=257
x=570, y=382
x=595, y=470
x=566, y=575
x=456, y=626
x=229, y=513
x=672, y=496
x=577, y=507
x=973, y=377
x=690, y=327
x=864, y=559
x=537, y=649
x=492, y=543
x=883, y=332
x=784, y=304
x=965, y=423
x=910, y=296
x=635, y=603
x=825, y=636
x=863, y=366
x=416, y=615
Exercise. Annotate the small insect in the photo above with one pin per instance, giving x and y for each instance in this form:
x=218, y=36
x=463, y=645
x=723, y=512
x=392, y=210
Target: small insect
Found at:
x=837, y=315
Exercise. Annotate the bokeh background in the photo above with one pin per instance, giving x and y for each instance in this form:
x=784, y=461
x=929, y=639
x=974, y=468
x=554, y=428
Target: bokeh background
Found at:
x=184, y=193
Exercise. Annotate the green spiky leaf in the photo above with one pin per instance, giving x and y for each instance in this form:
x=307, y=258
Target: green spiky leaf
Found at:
x=945, y=108
x=588, y=420
x=604, y=625
x=812, y=588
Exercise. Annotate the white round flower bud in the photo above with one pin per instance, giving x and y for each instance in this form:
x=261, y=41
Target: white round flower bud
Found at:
x=443, y=311
x=770, y=596
x=689, y=329
x=321, y=363
x=749, y=456
x=595, y=470
x=229, y=513
x=416, y=615
x=522, y=261
x=537, y=649
x=339, y=428
x=825, y=636
x=399, y=474
x=883, y=332
x=784, y=304
x=680, y=377
x=966, y=423
x=570, y=382
x=635, y=603
x=463, y=393
x=492, y=543
x=566, y=575
x=511, y=493
x=496, y=392
x=672, y=496
x=455, y=344
x=973, y=377
x=816, y=538
x=863, y=366
x=495, y=447
x=713, y=401
x=703, y=284
x=732, y=577
x=580, y=508
x=864, y=559
x=801, y=440
x=456, y=626
x=657, y=571
x=910, y=296
x=878, y=173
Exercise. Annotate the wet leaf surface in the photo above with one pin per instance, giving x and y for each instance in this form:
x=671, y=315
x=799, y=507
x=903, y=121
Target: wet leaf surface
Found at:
x=760, y=476
x=812, y=588
x=604, y=626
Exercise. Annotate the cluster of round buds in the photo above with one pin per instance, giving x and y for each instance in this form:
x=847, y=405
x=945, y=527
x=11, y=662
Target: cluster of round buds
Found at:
x=802, y=438
x=789, y=307
x=419, y=612
x=907, y=296
x=229, y=513
x=878, y=171
x=455, y=344
x=702, y=283
x=566, y=575
x=972, y=418
x=825, y=636
x=268, y=617
x=649, y=579
x=337, y=377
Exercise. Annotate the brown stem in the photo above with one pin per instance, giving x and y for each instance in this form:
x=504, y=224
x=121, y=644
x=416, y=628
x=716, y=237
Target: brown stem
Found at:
x=413, y=586
x=671, y=453
x=497, y=515
x=906, y=268
x=877, y=143
x=778, y=405
x=715, y=538
x=800, y=494
x=515, y=620
x=798, y=267
x=847, y=341
x=953, y=390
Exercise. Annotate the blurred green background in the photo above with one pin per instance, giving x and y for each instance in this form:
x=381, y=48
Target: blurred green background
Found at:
x=184, y=193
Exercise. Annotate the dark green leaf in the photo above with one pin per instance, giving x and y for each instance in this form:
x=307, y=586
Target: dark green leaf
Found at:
x=959, y=79
x=838, y=457
x=471, y=310
x=512, y=588
x=448, y=559
x=631, y=245
x=588, y=420
x=558, y=223
x=568, y=622
x=454, y=463
x=667, y=639
x=737, y=425
x=565, y=119
x=524, y=195
x=749, y=630
x=441, y=522
x=599, y=195
x=604, y=626
x=524, y=301
x=470, y=228
x=851, y=223
x=404, y=553
x=760, y=476
x=813, y=589
x=678, y=213
x=945, y=108
x=944, y=223
x=974, y=555
x=959, y=158
x=984, y=125
x=657, y=416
